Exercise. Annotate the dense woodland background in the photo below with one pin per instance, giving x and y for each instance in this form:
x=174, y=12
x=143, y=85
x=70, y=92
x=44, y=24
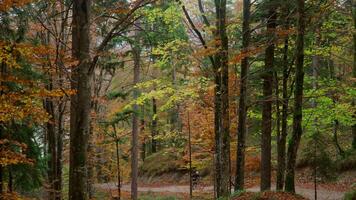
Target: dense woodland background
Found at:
x=153, y=92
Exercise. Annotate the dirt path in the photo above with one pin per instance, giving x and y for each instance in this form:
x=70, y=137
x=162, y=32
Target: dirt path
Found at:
x=308, y=193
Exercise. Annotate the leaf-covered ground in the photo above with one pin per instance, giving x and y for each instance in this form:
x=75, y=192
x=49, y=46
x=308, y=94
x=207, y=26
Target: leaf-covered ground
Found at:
x=268, y=196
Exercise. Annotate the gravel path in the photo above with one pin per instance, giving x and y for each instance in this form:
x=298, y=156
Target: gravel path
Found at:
x=308, y=193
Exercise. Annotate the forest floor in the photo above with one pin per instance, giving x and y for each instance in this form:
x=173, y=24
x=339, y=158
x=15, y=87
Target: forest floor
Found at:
x=333, y=190
x=323, y=194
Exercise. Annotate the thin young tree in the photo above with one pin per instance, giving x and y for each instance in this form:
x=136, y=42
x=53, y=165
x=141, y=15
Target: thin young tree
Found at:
x=298, y=100
x=136, y=53
x=354, y=67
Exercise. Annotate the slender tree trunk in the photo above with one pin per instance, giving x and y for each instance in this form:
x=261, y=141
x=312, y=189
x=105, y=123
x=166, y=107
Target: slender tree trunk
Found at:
x=315, y=65
x=267, y=102
x=52, y=150
x=3, y=74
x=81, y=101
x=278, y=127
x=298, y=101
x=142, y=129
x=222, y=103
x=241, y=129
x=135, y=126
x=281, y=144
x=60, y=133
x=11, y=181
x=90, y=161
x=1, y=182
x=190, y=159
x=118, y=169
x=154, y=126
x=354, y=69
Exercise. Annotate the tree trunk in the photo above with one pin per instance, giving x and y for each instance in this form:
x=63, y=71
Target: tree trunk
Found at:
x=354, y=69
x=60, y=133
x=154, y=127
x=281, y=144
x=135, y=125
x=142, y=129
x=298, y=101
x=11, y=181
x=267, y=102
x=81, y=101
x=190, y=159
x=241, y=129
x=222, y=129
x=118, y=169
x=51, y=137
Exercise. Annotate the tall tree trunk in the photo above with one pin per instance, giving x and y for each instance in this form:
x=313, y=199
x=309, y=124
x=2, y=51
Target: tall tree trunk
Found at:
x=354, y=69
x=51, y=137
x=298, y=101
x=118, y=168
x=281, y=144
x=3, y=74
x=281, y=141
x=267, y=101
x=241, y=129
x=51, y=141
x=60, y=133
x=154, y=130
x=135, y=125
x=81, y=101
x=91, y=161
x=1, y=181
x=142, y=129
x=190, y=159
x=222, y=104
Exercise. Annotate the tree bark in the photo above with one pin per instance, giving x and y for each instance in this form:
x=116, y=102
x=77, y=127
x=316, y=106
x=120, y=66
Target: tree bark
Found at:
x=81, y=101
x=135, y=125
x=51, y=151
x=222, y=129
x=267, y=101
x=298, y=101
x=190, y=159
x=118, y=168
x=142, y=129
x=354, y=69
x=154, y=131
x=281, y=143
x=241, y=129
x=60, y=133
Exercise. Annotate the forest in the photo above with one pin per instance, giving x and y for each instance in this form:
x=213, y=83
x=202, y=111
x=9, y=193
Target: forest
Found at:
x=178, y=99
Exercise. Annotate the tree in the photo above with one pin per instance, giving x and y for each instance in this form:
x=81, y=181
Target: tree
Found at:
x=241, y=131
x=222, y=119
x=354, y=65
x=81, y=101
x=281, y=139
x=136, y=51
x=267, y=100
x=298, y=101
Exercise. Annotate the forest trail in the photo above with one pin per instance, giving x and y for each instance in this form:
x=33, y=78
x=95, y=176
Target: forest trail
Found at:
x=323, y=194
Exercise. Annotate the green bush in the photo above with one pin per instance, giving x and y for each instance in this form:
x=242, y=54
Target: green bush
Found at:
x=351, y=195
